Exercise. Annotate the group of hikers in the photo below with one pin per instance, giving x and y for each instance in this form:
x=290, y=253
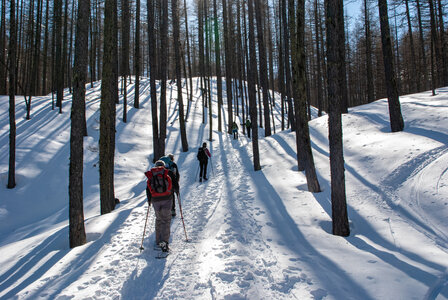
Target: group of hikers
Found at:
x=163, y=185
x=248, y=125
x=161, y=188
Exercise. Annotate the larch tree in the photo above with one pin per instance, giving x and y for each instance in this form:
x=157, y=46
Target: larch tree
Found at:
x=125, y=36
x=228, y=66
x=180, y=102
x=263, y=67
x=396, y=119
x=252, y=78
x=12, y=95
x=152, y=79
x=300, y=96
x=338, y=194
x=109, y=93
x=218, y=64
x=137, y=56
x=77, y=233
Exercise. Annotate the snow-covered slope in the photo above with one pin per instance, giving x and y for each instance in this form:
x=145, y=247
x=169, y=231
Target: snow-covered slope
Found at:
x=252, y=235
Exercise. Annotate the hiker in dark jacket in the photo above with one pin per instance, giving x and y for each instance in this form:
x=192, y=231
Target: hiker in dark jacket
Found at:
x=162, y=206
x=203, y=155
x=235, y=130
x=248, y=127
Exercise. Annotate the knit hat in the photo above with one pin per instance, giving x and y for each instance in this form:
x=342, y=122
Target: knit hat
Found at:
x=160, y=163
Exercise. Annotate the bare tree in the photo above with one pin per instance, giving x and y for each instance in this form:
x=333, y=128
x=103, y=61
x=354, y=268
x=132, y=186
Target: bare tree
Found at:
x=109, y=93
x=251, y=87
x=77, y=233
x=176, y=29
x=137, y=55
x=263, y=68
x=304, y=151
x=125, y=54
x=12, y=95
x=396, y=119
x=335, y=94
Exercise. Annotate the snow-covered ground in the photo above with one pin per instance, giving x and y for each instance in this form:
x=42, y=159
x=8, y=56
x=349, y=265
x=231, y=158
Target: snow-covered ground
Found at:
x=252, y=235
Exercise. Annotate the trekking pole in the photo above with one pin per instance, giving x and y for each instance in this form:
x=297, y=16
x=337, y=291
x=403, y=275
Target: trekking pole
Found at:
x=144, y=229
x=182, y=216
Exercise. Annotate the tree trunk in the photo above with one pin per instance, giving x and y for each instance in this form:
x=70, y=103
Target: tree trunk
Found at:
x=291, y=118
x=125, y=33
x=59, y=78
x=369, y=78
x=300, y=100
x=228, y=68
x=3, y=66
x=218, y=64
x=334, y=61
x=423, y=65
x=396, y=119
x=152, y=79
x=263, y=68
x=77, y=232
x=176, y=29
x=12, y=95
x=252, y=92
x=107, y=107
x=137, y=56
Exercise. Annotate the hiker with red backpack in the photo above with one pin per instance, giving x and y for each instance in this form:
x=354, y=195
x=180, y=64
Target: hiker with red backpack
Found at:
x=203, y=155
x=160, y=192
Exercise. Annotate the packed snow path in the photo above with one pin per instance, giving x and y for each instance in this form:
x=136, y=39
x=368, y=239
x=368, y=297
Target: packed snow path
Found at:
x=252, y=235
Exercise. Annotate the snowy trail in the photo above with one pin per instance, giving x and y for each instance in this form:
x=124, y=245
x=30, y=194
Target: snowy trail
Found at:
x=252, y=235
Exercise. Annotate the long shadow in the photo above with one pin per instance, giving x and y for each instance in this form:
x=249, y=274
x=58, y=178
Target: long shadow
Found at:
x=298, y=243
x=72, y=273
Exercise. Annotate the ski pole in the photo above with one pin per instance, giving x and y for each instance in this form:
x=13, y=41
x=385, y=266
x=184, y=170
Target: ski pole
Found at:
x=182, y=216
x=144, y=229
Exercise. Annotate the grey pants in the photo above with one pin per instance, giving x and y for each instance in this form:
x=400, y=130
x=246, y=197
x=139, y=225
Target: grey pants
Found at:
x=163, y=220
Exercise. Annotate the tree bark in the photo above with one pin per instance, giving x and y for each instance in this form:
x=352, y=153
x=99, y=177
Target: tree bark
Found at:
x=251, y=87
x=396, y=119
x=334, y=61
x=300, y=100
x=263, y=68
x=137, y=56
x=12, y=94
x=176, y=29
x=109, y=94
x=77, y=234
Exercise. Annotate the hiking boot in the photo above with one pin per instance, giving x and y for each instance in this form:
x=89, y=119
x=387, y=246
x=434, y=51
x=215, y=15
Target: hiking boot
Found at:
x=205, y=178
x=164, y=246
x=173, y=212
x=200, y=179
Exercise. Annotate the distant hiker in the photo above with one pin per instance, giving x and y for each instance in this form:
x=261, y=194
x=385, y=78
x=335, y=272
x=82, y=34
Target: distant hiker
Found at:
x=172, y=166
x=235, y=130
x=203, y=155
x=248, y=127
x=160, y=189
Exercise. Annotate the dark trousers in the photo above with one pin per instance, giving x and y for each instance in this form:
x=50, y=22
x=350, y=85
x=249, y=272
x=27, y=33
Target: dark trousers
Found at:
x=203, y=166
x=162, y=210
x=248, y=132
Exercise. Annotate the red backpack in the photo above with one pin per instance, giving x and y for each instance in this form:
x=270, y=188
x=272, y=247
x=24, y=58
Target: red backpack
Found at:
x=159, y=183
